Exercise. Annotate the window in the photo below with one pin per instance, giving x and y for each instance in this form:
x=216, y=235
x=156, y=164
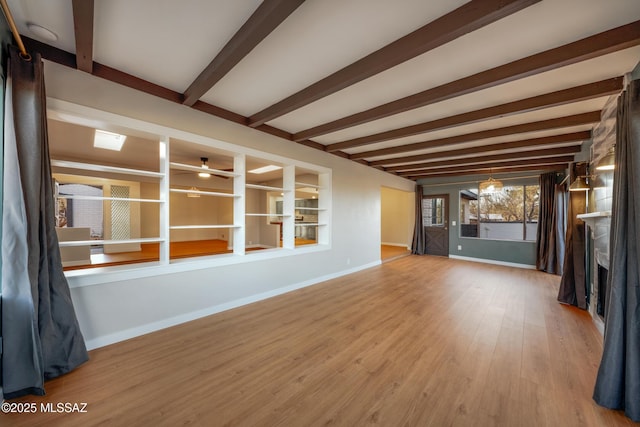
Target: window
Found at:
x=510, y=214
x=433, y=211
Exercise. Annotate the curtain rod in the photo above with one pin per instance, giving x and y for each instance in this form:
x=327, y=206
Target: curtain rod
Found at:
x=14, y=30
x=478, y=180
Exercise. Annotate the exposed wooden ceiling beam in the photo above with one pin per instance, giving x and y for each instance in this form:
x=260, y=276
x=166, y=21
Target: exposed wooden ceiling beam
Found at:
x=50, y=53
x=532, y=143
x=463, y=20
x=556, y=153
x=266, y=18
x=560, y=122
x=83, y=28
x=491, y=165
x=591, y=47
x=67, y=59
x=493, y=171
x=561, y=97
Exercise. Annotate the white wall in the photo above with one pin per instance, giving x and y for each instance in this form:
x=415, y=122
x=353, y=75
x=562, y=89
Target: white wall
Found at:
x=123, y=308
x=398, y=216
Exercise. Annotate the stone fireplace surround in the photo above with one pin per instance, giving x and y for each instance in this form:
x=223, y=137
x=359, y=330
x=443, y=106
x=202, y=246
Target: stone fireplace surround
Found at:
x=598, y=216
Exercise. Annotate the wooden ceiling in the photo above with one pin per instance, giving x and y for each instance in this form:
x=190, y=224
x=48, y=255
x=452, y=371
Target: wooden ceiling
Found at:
x=552, y=88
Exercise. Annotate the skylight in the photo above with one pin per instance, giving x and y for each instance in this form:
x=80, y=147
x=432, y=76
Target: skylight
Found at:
x=108, y=140
x=265, y=169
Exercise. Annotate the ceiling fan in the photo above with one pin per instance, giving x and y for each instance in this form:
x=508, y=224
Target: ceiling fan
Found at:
x=204, y=172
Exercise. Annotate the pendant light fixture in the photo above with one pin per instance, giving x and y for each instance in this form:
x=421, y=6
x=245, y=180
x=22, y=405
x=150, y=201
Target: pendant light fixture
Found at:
x=491, y=185
x=581, y=183
x=608, y=162
x=205, y=172
x=194, y=194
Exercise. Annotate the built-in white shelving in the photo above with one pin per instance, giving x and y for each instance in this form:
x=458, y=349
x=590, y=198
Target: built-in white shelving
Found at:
x=123, y=199
x=265, y=187
x=110, y=242
x=102, y=168
x=153, y=192
x=203, y=193
x=304, y=184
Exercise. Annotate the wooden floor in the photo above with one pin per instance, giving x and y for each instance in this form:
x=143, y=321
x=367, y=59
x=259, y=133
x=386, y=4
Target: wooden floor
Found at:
x=418, y=341
x=389, y=252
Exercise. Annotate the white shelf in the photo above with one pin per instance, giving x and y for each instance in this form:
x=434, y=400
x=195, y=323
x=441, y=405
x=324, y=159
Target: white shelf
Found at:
x=268, y=215
x=100, y=168
x=304, y=184
x=302, y=208
x=109, y=242
x=264, y=187
x=197, y=227
x=310, y=224
x=591, y=218
x=602, y=214
x=124, y=199
x=191, y=168
x=203, y=193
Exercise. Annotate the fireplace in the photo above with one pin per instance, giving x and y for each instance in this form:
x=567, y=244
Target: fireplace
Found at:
x=601, y=278
x=599, y=224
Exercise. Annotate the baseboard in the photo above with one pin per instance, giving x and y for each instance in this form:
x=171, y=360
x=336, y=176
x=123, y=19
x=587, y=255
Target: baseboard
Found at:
x=402, y=245
x=187, y=317
x=493, y=261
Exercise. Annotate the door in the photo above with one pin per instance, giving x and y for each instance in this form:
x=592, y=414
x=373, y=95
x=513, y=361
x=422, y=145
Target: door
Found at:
x=435, y=217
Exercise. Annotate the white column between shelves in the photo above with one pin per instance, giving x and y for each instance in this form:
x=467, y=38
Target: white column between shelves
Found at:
x=324, y=205
x=164, y=196
x=288, y=207
x=239, y=204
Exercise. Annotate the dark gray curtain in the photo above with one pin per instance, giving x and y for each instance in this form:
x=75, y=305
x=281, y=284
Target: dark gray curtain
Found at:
x=41, y=337
x=560, y=223
x=418, y=246
x=551, y=225
x=573, y=285
x=618, y=382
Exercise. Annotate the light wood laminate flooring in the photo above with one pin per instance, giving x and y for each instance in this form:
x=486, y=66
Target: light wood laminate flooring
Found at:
x=418, y=341
x=389, y=252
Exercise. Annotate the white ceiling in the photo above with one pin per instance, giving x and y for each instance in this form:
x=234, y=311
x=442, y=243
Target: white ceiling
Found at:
x=169, y=43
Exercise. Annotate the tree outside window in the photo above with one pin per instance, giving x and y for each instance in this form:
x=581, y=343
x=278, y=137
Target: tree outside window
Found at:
x=510, y=214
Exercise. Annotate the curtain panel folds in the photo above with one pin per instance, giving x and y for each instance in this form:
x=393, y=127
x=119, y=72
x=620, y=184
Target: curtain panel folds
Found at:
x=41, y=336
x=418, y=246
x=551, y=226
x=573, y=285
x=618, y=381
